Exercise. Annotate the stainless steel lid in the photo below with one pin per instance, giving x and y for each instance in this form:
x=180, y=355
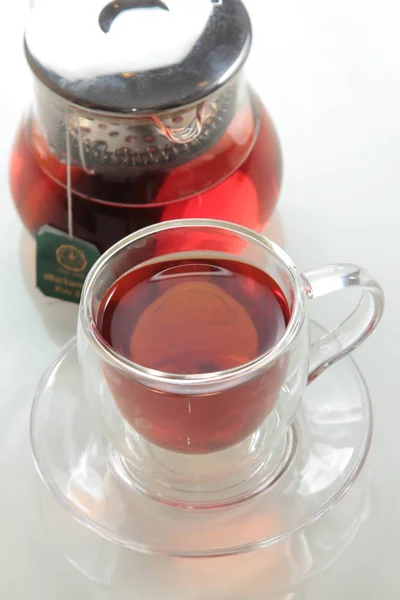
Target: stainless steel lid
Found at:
x=137, y=57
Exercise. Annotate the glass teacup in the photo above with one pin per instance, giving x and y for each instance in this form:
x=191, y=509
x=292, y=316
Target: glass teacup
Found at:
x=212, y=438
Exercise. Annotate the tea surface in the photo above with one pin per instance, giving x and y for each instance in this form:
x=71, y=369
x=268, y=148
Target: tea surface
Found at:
x=193, y=316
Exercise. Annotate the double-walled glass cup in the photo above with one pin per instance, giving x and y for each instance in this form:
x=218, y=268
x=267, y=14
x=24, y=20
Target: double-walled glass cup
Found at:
x=217, y=438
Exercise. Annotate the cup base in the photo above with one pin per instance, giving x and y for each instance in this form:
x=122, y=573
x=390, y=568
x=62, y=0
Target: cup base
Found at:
x=310, y=472
x=221, y=478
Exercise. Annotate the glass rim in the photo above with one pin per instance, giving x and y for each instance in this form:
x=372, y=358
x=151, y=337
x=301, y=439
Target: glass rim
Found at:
x=138, y=371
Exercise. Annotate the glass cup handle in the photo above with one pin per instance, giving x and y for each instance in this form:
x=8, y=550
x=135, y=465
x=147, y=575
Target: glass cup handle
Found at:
x=357, y=327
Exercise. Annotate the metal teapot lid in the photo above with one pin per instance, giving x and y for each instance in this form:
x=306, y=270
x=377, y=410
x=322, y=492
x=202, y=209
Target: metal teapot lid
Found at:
x=137, y=57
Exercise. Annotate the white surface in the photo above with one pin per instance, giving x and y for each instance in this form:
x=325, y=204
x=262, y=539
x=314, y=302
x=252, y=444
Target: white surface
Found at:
x=330, y=75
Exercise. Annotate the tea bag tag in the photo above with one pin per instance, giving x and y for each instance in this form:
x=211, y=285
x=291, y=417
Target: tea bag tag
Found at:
x=62, y=263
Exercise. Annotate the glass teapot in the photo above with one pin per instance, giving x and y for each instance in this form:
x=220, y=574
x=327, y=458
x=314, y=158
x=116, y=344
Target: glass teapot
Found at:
x=142, y=114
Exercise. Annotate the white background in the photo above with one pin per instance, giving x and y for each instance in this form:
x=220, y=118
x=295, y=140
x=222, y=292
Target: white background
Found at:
x=329, y=73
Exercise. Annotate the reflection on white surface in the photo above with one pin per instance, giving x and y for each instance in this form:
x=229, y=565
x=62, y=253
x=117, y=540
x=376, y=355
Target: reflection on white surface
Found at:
x=85, y=487
x=274, y=230
x=322, y=417
x=323, y=468
x=275, y=573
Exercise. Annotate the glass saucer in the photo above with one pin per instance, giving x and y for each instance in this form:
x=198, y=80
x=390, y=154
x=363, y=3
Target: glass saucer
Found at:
x=281, y=571
x=333, y=428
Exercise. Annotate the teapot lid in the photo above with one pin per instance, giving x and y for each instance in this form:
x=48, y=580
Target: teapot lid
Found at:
x=137, y=56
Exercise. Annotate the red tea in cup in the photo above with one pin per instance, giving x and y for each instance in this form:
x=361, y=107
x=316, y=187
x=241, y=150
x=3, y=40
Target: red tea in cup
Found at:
x=189, y=317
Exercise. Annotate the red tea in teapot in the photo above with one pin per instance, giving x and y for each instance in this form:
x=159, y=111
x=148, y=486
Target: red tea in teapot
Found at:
x=237, y=180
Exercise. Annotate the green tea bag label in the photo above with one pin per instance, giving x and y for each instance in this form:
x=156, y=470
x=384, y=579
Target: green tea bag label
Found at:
x=62, y=264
